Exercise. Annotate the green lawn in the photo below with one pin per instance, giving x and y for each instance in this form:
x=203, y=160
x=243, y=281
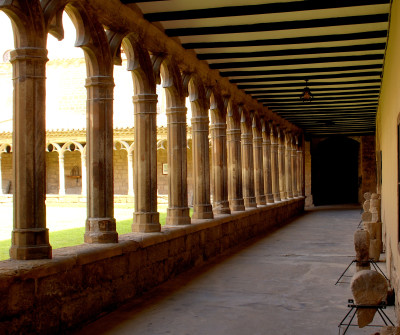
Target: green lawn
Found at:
x=70, y=237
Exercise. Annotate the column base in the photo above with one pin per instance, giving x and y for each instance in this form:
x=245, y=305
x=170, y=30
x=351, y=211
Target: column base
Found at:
x=270, y=199
x=261, y=200
x=177, y=216
x=250, y=202
x=277, y=197
x=101, y=230
x=146, y=222
x=202, y=212
x=221, y=207
x=30, y=243
x=237, y=205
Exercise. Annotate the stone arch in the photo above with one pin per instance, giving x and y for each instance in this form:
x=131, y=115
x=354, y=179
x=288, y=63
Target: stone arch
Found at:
x=28, y=22
x=335, y=171
x=90, y=34
x=172, y=82
x=197, y=95
x=140, y=65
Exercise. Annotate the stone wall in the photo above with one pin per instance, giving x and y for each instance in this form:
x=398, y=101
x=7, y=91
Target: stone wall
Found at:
x=79, y=283
x=368, y=164
x=162, y=179
x=307, y=174
x=121, y=185
x=52, y=173
x=6, y=171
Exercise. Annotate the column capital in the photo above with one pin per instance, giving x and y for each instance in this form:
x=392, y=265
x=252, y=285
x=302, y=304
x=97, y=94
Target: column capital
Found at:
x=22, y=54
x=175, y=110
x=105, y=81
x=148, y=98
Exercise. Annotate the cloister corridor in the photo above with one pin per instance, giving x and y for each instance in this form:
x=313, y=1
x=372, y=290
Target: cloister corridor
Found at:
x=283, y=283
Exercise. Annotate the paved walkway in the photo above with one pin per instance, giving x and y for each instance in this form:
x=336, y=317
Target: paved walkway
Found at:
x=281, y=284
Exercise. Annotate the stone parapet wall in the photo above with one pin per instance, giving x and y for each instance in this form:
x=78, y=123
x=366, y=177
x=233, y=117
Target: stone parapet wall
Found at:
x=49, y=296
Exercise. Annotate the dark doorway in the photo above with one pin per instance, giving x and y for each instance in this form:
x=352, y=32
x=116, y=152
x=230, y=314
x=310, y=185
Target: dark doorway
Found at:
x=335, y=171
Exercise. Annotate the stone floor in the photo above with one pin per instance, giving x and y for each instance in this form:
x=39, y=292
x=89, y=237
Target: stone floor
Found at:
x=281, y=284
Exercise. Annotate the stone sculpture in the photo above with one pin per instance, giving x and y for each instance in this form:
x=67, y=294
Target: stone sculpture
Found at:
x=372, y=222
x=389, y=330
x=361, y=246
x=368, y=288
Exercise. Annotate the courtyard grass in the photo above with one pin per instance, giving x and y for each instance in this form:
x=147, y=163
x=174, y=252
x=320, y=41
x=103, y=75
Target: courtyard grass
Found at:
x=74, y=236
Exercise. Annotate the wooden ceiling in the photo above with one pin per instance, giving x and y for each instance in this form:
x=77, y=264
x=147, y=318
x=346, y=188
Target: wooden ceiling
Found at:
x=269, y=48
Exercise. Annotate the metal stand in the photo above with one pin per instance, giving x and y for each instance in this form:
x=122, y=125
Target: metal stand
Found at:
x=371, y=261
x=355, y=308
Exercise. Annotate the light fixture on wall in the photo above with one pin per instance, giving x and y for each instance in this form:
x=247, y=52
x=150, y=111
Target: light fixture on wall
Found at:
x=306, y=95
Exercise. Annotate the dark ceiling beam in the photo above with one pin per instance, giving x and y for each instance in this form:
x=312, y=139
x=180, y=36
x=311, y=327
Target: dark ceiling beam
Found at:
x=283, y=7
x=302, y=70
x=319, y=99
x=293, y=52
x=317, y=83
x=344, y=95
x=288, y=41
x=316, y=115
x=339, y=90
x=317, y=108
x=281, y=25
x=309, y=77
x=297, y=61
x=326, y=112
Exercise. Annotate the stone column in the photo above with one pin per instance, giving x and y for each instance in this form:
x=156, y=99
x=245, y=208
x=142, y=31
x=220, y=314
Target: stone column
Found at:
x=300, y=169
x=275, y=165
x=281, y=159
x=247, y=163
x=235, y=190
x=30, y=237
x=178, y=209
x=219, y=162
x=258, y=164
x=84, y=169
x=267, y=168
x=145, y=218
x=288, y=166
x=100, y=224
x=61, y=172
x=130, y=173
x=202, y=208
x=294, y=168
